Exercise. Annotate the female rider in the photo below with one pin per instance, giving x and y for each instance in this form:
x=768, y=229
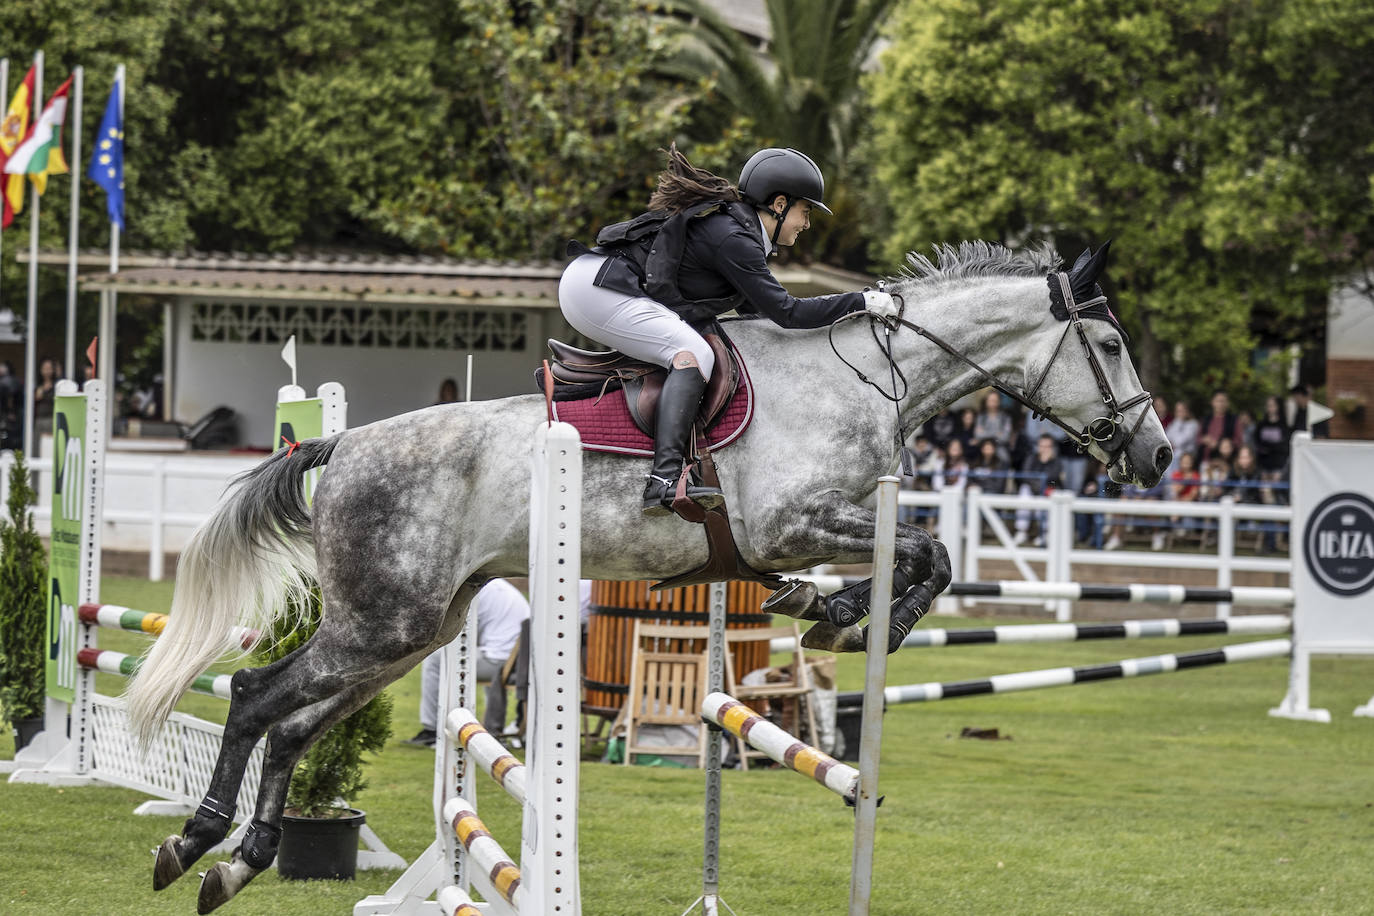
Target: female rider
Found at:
x=701, y=250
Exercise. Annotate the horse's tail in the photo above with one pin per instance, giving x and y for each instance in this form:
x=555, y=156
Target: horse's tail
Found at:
x=241, y=568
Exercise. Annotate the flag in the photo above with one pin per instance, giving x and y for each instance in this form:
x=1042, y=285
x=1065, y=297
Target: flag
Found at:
x=40, y=155
x=12, y=130
x=288, y=355
x=107, y=161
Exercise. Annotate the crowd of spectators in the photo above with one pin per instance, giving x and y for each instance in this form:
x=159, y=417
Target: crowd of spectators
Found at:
x=1000, y=449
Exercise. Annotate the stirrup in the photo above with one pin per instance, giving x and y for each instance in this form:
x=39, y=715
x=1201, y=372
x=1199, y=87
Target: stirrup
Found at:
x=661, y=491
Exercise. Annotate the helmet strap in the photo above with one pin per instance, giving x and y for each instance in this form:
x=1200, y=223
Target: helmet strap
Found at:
x=773, y=242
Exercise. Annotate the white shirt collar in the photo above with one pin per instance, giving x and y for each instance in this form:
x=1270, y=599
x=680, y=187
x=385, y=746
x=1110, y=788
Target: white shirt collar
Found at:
x=768, y=245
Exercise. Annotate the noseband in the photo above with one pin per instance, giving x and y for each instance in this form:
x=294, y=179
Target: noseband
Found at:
x=1101, y=430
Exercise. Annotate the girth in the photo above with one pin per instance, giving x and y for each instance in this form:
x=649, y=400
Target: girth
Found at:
x=579, y=374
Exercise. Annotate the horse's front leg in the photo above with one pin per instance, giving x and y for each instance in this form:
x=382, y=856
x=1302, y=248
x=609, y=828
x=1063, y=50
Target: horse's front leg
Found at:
x=921, y=572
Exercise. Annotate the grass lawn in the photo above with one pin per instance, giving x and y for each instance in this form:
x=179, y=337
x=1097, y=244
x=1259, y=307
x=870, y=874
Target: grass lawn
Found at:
x=1172, y=794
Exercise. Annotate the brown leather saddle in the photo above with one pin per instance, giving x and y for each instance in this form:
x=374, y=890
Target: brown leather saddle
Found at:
x=573, y=374
x=579, y=374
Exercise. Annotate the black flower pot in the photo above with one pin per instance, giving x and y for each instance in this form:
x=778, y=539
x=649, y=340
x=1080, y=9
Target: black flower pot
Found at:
x=25, y=730
x=320, y=847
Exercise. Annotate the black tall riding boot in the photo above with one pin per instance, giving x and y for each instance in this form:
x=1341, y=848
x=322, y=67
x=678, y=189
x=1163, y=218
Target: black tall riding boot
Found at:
x=677, y=410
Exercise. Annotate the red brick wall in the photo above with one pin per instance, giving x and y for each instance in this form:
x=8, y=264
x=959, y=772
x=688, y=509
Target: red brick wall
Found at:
x=1350, y=378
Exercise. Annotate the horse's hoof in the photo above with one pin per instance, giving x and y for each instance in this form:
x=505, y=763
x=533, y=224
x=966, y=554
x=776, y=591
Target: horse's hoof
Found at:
x=168, y=867
x=798, y=599
x=829, y=638
x=222, y=882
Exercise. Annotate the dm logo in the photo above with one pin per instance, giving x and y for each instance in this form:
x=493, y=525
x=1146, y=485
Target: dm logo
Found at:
x=1338, y=544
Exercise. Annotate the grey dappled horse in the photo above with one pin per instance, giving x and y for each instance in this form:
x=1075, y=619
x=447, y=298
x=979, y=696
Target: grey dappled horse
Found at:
x=416, y=512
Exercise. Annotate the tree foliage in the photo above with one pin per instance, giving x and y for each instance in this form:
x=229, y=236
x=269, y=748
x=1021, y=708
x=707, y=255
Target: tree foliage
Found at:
x=23, y=603
x=556, y=115
x=1227, y=145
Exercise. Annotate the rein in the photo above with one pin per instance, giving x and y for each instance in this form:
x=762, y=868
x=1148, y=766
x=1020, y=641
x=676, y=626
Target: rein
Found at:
x=1101, y=430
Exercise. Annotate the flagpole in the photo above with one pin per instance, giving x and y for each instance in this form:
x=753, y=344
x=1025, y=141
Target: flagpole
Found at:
x=4, y=100
x=108, y=297
x=31, y=330
x=74, y=168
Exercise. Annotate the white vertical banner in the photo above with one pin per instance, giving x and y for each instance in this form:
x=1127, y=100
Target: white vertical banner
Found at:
x=1332, y=547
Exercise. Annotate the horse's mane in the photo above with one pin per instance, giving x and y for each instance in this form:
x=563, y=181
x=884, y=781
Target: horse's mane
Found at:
x=970, y=261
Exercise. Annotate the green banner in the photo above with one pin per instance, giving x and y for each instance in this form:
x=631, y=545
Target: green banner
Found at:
x=64, y=558
x=298, y=420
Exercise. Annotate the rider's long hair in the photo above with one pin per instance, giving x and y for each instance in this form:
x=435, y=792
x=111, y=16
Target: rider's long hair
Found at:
x=682, y=184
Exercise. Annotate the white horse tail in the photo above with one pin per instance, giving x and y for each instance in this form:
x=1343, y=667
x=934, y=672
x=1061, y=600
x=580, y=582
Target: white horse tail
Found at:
x=241, y=569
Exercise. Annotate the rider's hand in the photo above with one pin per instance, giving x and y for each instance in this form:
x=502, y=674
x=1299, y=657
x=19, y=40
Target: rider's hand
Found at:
x=879, y=304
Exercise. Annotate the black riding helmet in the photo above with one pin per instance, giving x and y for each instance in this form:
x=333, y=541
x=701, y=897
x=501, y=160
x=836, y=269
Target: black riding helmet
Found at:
x=774, y=171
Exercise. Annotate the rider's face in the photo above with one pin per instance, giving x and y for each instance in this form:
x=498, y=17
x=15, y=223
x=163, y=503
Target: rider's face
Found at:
x=798, y=219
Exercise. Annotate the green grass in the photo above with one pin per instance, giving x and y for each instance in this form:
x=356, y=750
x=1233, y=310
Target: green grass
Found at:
x=1168, y=794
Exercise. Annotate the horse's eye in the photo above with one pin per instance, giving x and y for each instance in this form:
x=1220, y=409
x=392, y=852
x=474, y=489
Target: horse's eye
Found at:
x=1112, y=347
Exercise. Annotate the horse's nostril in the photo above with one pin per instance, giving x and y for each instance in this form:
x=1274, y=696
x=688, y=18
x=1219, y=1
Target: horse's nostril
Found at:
x=1163, y=457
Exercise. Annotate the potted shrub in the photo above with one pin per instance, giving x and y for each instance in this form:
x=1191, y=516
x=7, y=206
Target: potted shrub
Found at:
x=23, y=603
x=320, y=831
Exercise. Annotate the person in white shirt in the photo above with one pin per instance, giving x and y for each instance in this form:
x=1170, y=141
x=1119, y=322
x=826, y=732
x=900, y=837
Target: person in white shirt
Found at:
x=501, y=609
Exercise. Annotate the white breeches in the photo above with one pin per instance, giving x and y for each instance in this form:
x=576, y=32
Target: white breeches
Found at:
x=634, y=325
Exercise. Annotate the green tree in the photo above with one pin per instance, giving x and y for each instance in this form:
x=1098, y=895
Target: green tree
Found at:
x=564, y=118
x=1227, y=146
x=23, y=603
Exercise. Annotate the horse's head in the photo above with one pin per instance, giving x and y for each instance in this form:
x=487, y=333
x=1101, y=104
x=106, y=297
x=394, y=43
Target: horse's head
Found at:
x=1083, y=378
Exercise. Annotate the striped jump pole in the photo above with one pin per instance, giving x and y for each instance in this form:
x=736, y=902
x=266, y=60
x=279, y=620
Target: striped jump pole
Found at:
x=1063, y=677
x=495, y=875
x=1137, y=593
x=111, y=662
x=725, y=711
x=465, y=731
x=1251, y=625
x=453, y=902
x=118, y=617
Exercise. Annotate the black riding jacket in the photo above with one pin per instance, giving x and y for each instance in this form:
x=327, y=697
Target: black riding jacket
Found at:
x=704, y=261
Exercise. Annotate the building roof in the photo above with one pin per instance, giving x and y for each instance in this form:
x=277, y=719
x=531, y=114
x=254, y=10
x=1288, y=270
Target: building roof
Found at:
x=357, y=277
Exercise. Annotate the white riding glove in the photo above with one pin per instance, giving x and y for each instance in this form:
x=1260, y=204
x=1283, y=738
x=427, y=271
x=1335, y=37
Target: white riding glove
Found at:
x=879, y=304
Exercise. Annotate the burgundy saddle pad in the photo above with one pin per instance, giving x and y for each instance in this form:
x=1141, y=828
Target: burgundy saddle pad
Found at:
x=605, y=423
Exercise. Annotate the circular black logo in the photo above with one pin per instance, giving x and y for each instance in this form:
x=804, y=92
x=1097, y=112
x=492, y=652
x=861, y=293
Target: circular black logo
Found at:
x=1338, y=544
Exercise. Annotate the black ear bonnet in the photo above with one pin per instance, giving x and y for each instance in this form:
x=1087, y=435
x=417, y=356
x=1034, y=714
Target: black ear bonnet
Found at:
x=1083, y=285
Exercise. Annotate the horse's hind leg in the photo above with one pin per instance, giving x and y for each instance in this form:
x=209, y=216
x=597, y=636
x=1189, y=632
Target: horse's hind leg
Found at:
x=287, y=742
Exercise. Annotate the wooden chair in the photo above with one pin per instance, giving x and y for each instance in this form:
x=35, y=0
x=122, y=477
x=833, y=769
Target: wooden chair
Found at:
x=667, y=685
x=793, y=694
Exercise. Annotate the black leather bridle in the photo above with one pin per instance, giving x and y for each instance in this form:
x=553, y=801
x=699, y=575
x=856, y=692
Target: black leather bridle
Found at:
x=1101, y=430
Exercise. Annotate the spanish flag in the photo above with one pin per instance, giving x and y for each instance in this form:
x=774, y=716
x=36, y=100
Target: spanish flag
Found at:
x=40, y=155
x=12, y=132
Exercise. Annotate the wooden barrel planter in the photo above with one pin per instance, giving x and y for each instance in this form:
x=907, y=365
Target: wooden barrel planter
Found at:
x=617, y=605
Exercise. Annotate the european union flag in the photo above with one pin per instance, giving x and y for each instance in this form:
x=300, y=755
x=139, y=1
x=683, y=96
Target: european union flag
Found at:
x=107, y=162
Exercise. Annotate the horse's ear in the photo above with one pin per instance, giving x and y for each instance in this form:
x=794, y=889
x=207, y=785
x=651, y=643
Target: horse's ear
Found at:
x=1089, y=267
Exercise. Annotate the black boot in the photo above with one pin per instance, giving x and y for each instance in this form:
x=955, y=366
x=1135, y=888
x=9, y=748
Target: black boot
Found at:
x=677, y=410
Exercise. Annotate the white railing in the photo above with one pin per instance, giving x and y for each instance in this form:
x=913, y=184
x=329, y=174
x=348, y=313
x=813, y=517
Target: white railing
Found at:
x=955, y=510
x=152, y=502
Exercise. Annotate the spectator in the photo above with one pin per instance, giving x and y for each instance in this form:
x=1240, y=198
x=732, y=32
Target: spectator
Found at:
x=43, y=396
x=1162, y=411
x=1299, y=403
x=448, y=392
x=1245, y=428
x=941, y=428
x=954, y=469
x=500, y=609
x=968, y=418
x=1218, y=426
x=1182, y=432
x=1042, y=474
x=989, y=468
x=1184, y=480
x=1089, y=527
x=11, y=423
x=1247, y=489
x=992, y=422
x=1272, y=441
